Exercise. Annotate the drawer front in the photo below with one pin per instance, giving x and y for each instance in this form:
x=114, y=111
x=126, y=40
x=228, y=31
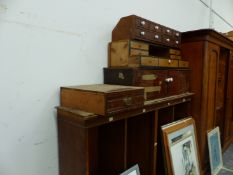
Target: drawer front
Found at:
x=156, y=27
x=119, y=76
x=183, y=64
x=177, y=34
x=174, y=52
x=175, y=57
x=139, y=45
x=179, y=83
x=123, y=103
x=170, y=41
x=153, y=82
x=149, y=61
x=167, y=31
x=142, y=23
x=136, y=52
x=168, y=63
x=148, y=36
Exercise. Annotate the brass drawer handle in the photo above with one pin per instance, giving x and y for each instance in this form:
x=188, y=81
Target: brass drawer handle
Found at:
x=168, y=31
x=156, y=36
x=156, y=27
x=127, y=101
x=168, y=40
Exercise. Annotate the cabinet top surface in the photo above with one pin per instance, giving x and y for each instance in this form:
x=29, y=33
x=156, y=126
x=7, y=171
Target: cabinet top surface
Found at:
x=206, y=34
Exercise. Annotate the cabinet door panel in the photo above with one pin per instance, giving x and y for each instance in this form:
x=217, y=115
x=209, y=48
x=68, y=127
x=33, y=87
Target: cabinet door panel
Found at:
x=209, y=84
x=180, y=82
x=229, y=102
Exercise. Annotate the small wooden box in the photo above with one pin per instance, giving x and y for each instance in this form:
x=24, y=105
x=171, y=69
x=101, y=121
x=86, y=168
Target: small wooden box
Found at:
x=102, y=99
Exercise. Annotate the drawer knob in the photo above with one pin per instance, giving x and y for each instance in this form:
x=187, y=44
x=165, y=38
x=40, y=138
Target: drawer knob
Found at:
x=177, y=42
x=169, y=80
x=177, y=34
x=156, y=27
x=143, y=23
x=168, y=40
x=127, y=101
x=142, y=33
x=168, y=31
x=156, y=36
x=169, y=61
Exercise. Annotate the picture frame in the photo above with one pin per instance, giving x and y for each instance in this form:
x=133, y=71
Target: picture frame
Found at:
x=215, y=151
x=181, y=148
x=134, y=170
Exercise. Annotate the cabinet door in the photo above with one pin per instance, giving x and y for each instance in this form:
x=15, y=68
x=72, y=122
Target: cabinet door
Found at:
x=209, y=85
x=221, y=93
x=229, y=101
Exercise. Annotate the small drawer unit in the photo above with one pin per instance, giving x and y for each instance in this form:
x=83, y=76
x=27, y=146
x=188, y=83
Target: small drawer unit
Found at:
x=102, y=99
x=156, y=83
x=132, y=53
x=135, y=27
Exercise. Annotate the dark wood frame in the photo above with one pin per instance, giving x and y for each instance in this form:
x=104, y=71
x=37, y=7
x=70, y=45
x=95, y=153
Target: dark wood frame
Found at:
x=175, y=127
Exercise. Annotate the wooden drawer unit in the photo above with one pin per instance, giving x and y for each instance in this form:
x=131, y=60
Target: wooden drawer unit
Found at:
x=168, y=63
x=157, y=83
x=102, y=99
x=134, y=27
x=131, y=53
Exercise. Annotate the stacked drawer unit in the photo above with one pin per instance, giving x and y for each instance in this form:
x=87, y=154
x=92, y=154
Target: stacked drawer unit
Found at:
x=132, y=53
x=146, y=54
x=134, y=27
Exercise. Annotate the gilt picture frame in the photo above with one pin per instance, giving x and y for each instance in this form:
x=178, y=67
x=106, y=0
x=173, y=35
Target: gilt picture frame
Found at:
x=181, y=148
x=215, y=151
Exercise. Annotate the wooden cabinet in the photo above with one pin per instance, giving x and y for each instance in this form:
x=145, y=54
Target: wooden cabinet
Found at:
x=210, y=56
x=91, y=144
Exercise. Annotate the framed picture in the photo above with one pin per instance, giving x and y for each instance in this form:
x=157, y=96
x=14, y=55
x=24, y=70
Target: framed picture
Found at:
x=215, y=151
x=180, y=147
x=132, y=171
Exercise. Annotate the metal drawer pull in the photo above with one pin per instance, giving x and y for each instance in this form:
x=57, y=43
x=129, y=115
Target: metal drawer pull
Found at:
x=143, y=23
x=169, y=80
x=156, y=27
x=177, y=42
x=127, y=101
x=168, y=31
x=142, y=33
x=177, y=34
x=156, y=36
x=168, y=40
x=169, y=61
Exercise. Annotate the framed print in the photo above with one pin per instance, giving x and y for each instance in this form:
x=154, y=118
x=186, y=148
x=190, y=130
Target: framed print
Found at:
x=132, y=171
x=215, y=151
x=180, y=147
